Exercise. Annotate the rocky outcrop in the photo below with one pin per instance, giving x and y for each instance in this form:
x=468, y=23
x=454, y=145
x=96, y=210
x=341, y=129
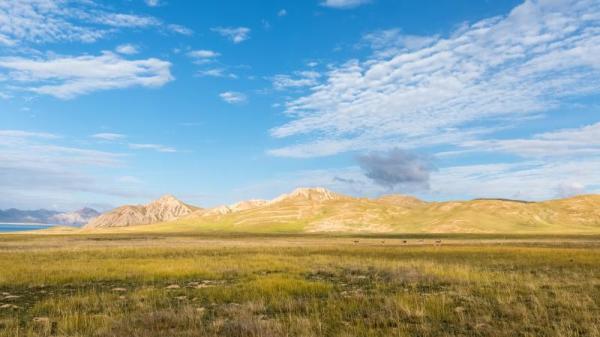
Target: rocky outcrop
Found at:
x=167, y=208
x=308, y=194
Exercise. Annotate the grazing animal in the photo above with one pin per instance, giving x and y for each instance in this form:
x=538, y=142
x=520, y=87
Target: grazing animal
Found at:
x=404, y=241
x=356, y=241
x=438, y=243
x=383, y=242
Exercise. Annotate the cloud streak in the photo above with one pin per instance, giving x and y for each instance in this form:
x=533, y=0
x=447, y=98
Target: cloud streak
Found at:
x=344, y=4
x=111, y=137
x=573, y=142
x=67, y=77
x=155, y=147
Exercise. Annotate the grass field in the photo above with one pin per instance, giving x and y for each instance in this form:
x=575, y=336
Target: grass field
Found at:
x=301, y=285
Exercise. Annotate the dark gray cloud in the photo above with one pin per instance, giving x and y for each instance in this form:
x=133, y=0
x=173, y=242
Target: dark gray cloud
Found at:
x=396, y=168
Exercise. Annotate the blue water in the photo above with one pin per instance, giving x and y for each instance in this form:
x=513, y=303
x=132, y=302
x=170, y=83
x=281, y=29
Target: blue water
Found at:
x=4, y=228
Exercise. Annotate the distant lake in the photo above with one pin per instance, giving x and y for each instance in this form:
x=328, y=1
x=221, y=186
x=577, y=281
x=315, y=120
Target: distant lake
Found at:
x=4, y=227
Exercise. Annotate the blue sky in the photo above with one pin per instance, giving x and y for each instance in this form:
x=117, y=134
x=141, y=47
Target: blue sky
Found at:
x=111, y=102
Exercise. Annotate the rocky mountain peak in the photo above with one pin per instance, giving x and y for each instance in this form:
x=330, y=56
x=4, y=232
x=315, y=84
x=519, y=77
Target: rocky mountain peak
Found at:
x=166, y=200
x=166, y=208
x=309, y=193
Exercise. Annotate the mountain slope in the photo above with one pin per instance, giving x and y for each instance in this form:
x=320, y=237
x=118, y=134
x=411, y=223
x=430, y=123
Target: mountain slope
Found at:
x=319, y=210
x=166, y=208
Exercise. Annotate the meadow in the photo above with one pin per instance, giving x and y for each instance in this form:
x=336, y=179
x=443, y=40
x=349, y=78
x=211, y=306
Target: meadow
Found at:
x=299, y=285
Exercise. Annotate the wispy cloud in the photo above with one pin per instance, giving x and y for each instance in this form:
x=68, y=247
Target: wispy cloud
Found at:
x=127, y=49
x=179, y=29
x=6, y=134
x=300, y=79
x=390, y=42
x=36, y=169
x=282, y=12
x=155, y=147
x=574, y=142
x=40, y=21
x=153, y=3
x=512, y=66
x=344, y=4
x=66, y=77
x=203, y=54
x=235, y=34
x=233, y=97
x=216, y=72
x=533, y=180
x=108, y=136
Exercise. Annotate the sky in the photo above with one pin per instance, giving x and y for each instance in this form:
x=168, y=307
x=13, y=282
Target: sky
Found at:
x=104, y=103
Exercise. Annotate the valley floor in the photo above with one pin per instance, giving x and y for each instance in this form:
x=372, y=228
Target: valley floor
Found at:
x=299, y=285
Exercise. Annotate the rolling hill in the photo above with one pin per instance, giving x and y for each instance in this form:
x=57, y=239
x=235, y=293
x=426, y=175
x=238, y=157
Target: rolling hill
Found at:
x=317, y=210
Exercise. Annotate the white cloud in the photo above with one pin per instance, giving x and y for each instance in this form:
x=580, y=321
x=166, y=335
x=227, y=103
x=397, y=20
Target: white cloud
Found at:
x=235, y=34
x=203, y=54
x=216, y=72
x=570, y=188
x=282, y=12
x=127, y=49
x=40, y=21
x=532, y=180
x=108, y=136
x=583, y=141
x=8, y=134
x=155, y=147
x=125, y=20
x=344, y=4
x=301, y=79
x=153, y=3
x=513, y=66
x=233, y=97
x=179, y=29
x=387, y=43
x=66, y=77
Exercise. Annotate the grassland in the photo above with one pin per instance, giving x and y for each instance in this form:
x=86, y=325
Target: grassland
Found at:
x=299, y=285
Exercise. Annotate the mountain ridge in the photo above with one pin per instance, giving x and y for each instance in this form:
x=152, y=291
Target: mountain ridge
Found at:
x=44, y=216
x=317, y=210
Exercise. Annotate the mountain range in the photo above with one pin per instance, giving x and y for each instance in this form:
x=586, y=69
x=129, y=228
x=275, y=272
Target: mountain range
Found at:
x=44, y=216
x=320, y=210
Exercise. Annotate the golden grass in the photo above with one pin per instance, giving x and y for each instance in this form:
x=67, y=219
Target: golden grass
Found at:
x=279, y=285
